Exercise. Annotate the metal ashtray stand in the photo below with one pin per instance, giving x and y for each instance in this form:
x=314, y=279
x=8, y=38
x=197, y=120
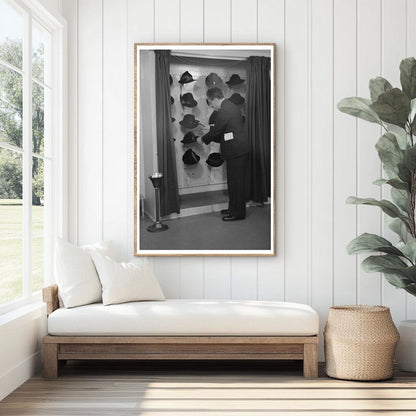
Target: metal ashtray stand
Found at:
x=157, y=226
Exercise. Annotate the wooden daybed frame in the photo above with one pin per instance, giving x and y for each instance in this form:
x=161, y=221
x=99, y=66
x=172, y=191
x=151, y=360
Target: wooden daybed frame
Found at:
x=58, y=349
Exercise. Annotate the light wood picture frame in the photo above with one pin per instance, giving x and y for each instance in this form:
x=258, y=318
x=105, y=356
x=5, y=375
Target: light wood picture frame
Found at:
x=195, y=156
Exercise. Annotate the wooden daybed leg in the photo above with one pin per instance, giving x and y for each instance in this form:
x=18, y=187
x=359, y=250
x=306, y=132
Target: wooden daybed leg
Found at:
x=310, y=360
x=50, y=360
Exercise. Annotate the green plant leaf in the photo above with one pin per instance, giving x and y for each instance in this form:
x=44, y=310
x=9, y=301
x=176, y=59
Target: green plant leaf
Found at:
x=408, y=249
x=400, y=198
x=381, y=263
x=388, y=207
x=410, y=158
x=408, y=77
x=389, y=151
x=392, y=107
x=401, y=139
x=366, y=243
x=404, y=173
x=400, y=228
x=398, y=184
x=380, y=182
x=359, y=107
x=397, y=280
x=378, y=86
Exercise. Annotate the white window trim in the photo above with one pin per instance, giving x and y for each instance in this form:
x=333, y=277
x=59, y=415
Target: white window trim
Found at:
x=59, y=146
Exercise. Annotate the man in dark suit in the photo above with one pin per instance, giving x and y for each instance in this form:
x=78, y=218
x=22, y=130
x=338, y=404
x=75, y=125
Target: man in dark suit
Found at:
x=229, y=131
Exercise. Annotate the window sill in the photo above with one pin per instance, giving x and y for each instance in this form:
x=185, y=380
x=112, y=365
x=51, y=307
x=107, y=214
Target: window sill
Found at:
x=35, y=307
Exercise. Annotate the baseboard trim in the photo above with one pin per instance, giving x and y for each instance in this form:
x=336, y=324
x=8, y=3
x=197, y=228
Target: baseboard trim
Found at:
x=11, y=379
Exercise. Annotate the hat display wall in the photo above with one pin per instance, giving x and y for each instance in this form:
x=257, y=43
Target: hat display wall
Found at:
x=213, y=80
x=190, y=157
x=235, y=80
x=187, y=100
x=186, y=77
x=237, y=99
x=215, y=160
x=189, y=121
x=189, y=138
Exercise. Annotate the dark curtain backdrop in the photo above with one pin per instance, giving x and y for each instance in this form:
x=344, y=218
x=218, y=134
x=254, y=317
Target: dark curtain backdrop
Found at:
x=169, y=195
x=258, y=128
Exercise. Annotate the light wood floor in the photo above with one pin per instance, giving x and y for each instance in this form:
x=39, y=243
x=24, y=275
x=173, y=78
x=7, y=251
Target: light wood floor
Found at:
x=221, y=389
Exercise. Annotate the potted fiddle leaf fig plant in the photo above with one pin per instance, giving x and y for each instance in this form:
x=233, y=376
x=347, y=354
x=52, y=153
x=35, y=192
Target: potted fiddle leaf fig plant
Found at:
x=394, y=109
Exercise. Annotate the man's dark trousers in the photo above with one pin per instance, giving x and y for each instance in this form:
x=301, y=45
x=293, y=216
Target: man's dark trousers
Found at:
x=236, y=182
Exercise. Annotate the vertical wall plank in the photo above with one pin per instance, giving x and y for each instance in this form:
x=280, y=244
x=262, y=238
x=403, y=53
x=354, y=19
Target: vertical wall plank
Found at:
x=167, y=29
x=296, y=152
x=114, y=124
x=369, y=168
x=217, y=278
x=167, y=21
x=271, y=29
x=345, y=151
x=192, y=21
x=90, y=128
x=167, y=273
x=70, y=11
x=217, y=21
x=244, y=29
x=140, y=30
x=321, y=166
x=192, y=277
x=244, y=278
x=411, y=51
x=217, y=29
x=192, y=30
x=244, y=21
x=393, y=51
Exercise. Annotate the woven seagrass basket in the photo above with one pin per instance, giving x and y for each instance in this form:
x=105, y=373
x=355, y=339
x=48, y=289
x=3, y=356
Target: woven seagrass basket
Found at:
x=360, y=341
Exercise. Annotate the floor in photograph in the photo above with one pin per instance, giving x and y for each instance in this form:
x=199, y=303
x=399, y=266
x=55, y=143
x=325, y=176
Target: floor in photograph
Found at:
x=209, y=232
x=207, y=389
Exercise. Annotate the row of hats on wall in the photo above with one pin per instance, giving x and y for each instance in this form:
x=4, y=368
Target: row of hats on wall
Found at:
x=190, y=122
x=211, y=80
x=188, y=100
x=191, y=158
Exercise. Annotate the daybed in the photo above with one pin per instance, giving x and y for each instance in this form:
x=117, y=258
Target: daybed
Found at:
x=181, y=329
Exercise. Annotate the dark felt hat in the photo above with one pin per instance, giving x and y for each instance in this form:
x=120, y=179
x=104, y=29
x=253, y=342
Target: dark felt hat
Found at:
x=237, y=99
x=189, y=121
x=170, y=79
x=235, y=80
x=190, y=157
x=215, y=160
x=172, y=119
x=189, y=138
x=212, y=80
x=213, y=117
x=186, y=77
x=171, y=100
x=187, y=100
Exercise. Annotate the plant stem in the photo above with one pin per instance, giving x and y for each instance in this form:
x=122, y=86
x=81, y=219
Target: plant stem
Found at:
x=412, y=196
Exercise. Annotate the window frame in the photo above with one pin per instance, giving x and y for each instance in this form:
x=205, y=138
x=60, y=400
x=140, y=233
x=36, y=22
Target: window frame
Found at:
x=57, y=226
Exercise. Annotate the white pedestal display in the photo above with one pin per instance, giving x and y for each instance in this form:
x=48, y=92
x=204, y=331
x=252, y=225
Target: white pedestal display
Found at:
x=406, y=350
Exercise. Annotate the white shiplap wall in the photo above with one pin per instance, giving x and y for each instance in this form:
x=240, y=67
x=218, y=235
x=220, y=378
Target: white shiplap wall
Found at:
x=326, y=50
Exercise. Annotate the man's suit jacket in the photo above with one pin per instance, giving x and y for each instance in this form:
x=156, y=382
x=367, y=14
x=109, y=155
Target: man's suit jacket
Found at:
x=229, y=120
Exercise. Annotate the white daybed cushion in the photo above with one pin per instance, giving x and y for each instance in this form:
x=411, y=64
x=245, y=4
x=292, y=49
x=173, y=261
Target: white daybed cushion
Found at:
x=126, y=282
x=187, y=317
x=75, y=273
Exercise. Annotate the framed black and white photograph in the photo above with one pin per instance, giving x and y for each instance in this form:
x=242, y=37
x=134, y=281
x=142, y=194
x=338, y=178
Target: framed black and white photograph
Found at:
x=204, y=150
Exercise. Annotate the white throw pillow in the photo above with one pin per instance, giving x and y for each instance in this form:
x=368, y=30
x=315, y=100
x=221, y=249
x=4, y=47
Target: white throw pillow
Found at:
x=75, y=273
x=126, y=282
